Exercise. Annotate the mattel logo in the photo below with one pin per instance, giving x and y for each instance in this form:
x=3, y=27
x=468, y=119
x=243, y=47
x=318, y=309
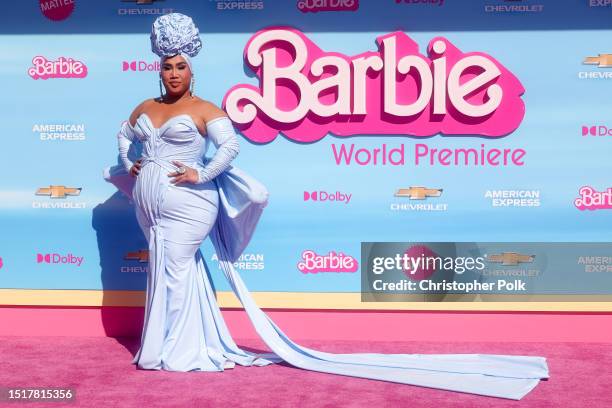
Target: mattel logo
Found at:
x=59, y=259
x=313, y=6
x=57, y=10
x=596, y=130
x=333, y=262
x=326, y=196
x=140, y=66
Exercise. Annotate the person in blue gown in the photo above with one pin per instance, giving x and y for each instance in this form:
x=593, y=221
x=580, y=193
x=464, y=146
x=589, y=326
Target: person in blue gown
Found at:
x=181, y=197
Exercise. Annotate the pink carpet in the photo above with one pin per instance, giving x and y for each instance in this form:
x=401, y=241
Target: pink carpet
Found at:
x=100, y=370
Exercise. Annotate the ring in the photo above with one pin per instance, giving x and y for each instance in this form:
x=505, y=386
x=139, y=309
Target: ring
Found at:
x=182, y=170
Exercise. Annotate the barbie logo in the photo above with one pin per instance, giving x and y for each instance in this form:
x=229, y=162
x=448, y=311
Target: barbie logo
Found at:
x=333, y=262
x=306, y=92
x=306, y=6
x=1, y=263
x=590, y=199
x=61, y=68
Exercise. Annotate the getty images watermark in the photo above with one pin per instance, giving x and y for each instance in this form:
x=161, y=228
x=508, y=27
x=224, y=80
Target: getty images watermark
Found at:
x=436, y=271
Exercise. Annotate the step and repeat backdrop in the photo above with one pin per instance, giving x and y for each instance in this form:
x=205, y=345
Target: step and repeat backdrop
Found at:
x=384, y=131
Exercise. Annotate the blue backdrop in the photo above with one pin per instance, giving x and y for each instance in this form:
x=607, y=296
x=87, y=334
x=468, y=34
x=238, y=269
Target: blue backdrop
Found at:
x=544, y=43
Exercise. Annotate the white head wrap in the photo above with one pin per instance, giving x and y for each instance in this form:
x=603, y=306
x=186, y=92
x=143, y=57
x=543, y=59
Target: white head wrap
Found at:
x=175, y=34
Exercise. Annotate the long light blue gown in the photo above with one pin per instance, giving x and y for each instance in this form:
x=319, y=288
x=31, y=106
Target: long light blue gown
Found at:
x=183, y=326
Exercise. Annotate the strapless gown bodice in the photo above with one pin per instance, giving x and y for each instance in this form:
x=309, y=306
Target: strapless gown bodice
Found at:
x=177, y=139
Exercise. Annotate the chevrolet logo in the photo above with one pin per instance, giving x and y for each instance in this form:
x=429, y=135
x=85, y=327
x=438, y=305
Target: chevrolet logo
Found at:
x=510, y=258
x=418, y=193
x=602, y=61
x=140, y=256
x=58, y=191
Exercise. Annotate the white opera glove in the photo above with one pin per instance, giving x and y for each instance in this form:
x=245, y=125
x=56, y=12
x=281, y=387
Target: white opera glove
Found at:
x=125, y=138
x=221, y=132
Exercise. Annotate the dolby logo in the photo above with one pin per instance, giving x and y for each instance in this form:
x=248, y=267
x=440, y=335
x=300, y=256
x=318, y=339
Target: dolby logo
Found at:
x=140, y=66
x=323, y=196
x=596, y=130
x=56, y=258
